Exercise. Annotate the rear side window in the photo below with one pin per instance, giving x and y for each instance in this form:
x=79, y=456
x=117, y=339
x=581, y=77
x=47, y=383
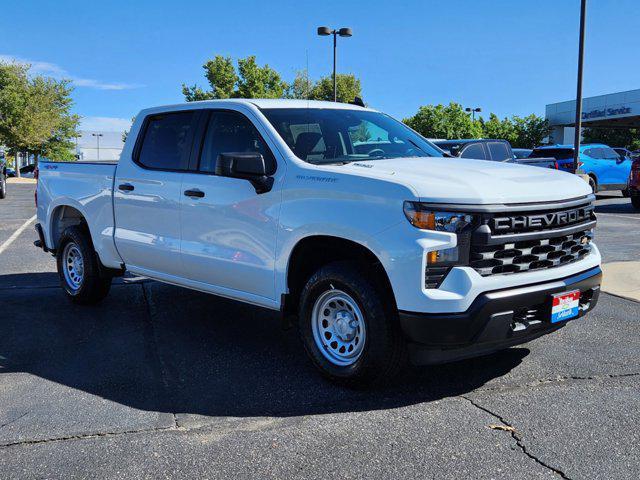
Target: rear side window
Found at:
x=499, y=151
x=167, y=141
x=474, y=151
x=232, y=132
x=609, y=154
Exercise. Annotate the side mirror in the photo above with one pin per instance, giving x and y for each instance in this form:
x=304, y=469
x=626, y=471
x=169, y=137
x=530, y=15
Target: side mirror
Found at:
x=248, y=166
x=454, y=151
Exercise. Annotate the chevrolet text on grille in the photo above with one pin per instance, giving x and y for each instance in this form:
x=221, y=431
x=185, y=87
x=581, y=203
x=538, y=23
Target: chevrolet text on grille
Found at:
x=552, y=219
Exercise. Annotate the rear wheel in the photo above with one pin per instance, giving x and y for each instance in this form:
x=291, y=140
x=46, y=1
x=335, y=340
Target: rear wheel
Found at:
x=352, y=336
x=635, y=201
x=78, y=268
x=593, y=185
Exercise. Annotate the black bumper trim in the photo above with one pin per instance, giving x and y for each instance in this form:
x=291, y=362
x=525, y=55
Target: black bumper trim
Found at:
x=495, y=320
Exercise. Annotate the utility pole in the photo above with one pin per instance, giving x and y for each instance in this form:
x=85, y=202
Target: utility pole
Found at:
x=578, y=122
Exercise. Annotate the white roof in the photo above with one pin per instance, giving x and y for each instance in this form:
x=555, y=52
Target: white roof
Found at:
x=263, y=103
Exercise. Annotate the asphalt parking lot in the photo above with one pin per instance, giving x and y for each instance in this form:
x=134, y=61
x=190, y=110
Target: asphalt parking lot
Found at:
x=160, y=381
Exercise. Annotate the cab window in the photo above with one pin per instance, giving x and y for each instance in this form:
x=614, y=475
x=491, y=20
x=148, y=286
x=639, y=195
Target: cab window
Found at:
x=166, y=143
x=232, y=132
x=499, y=151
x=474, y=150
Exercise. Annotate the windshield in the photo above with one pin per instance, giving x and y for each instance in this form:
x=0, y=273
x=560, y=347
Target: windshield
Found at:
x=319, y=135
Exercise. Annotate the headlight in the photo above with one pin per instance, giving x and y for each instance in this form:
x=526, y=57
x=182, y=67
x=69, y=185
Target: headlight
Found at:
x=439, y=262
x=424, y=217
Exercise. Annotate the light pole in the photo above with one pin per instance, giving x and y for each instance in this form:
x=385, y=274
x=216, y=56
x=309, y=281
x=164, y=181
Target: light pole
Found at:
x=473, y=112
x=343, y=32
x=97, y=135
x=578, y=122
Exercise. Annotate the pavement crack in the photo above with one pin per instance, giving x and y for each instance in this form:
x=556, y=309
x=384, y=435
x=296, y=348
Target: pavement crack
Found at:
x=518, y=439
x=14, y=420
x=85, y=436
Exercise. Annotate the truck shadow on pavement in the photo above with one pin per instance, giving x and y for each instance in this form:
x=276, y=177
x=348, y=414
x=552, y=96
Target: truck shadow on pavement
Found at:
x=160, y=348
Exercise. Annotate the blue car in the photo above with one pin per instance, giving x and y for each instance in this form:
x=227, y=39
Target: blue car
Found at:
x=607, y=169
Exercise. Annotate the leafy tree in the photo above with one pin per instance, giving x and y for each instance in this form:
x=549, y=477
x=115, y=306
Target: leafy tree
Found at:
x=35, y=113
x=250, y=81
x=348, y=87
x=301, y=87
x=502, y=129
x=439, y=121
x=529, y=131
x=614, y=137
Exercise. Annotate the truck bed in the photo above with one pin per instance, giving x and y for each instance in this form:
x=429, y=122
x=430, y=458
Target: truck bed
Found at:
x=83, y=186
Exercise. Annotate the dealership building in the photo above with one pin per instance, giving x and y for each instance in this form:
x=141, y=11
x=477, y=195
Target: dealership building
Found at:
x=614, y=110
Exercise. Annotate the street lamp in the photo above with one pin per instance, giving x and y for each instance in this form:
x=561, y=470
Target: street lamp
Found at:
x=97, y=135
x=473, y=112
x=343, y=32
x=578, y=122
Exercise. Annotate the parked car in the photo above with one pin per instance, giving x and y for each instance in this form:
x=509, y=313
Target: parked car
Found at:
x=606, y=169
x=3, y=178
x=489, y=149
x=375, y=245
x=11, y=172
x=634, y=184
x=522, y=152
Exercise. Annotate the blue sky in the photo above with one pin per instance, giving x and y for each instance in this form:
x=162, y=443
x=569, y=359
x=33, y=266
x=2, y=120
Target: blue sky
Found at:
x=508, y=57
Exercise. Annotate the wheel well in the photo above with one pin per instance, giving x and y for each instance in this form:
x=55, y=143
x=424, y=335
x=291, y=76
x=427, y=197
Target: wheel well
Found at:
x=63, y=217
x=312, y=253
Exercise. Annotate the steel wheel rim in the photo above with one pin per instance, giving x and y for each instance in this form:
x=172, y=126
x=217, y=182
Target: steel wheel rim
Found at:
x=339, y=329
x=73, y=266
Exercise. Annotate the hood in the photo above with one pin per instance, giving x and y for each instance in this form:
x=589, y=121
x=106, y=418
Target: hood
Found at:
x=478, y=182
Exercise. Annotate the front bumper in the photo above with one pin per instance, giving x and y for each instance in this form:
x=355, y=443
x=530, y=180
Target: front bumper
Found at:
x=495, y=320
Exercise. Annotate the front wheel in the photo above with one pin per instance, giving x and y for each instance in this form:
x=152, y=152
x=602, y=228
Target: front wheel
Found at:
x=78, y=268
x=635, y=201
x=351, y=334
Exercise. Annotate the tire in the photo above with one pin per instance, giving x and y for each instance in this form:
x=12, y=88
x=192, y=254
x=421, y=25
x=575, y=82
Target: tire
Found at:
x=626, y=193
x=593, y=185
x=78, y=268
x=3, y=186
x=359, y=311
x=635, y=201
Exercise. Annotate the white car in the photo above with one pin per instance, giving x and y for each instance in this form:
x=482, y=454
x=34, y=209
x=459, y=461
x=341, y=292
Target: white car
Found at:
x=340, y=217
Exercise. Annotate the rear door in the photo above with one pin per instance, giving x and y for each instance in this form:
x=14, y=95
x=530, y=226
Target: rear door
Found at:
x=229, y=230
x=148, y=191
x=616, y=168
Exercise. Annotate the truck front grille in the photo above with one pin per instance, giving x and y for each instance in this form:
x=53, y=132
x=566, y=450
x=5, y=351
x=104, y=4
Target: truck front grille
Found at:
x=507, y=242
x=530, y=254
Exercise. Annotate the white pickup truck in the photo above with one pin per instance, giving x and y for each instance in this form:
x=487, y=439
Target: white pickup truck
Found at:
x=340, y=217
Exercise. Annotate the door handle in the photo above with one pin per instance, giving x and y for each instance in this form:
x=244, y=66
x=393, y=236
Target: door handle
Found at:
x=126, y=187
x=194, y=193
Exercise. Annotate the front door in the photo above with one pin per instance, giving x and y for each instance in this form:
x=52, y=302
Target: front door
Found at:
x=229, y=230
x=148, y=191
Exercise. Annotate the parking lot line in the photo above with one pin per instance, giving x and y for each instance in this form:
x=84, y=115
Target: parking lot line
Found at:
x=16, y=234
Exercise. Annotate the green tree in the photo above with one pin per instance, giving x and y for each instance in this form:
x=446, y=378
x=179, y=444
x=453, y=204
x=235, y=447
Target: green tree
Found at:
x=348, y=87
x=249, y=81
x=35, y=113
x=614, y=137
x=301, y=86
x=439, y=121
x=502, y=129
x=529, y=131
